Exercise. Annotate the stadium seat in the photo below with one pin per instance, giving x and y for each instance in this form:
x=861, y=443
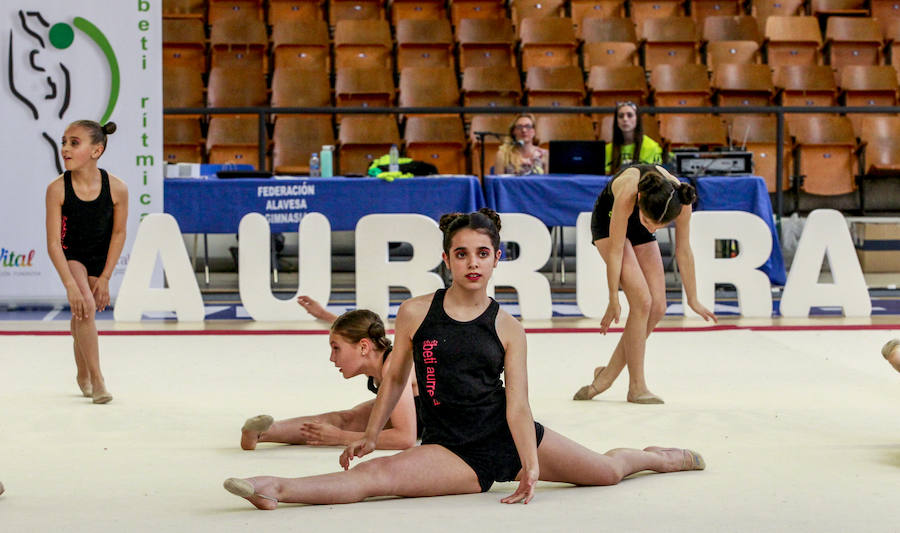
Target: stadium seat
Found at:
x=417, y=10
x=363, y=44
x=485, y=42
x=748, y=85
x=342, y=10
x=706, y=132
x=792, y=41
x=476, y=9
x=233, y=140
x=238, y=9
x=437, y=140
x=554, y=86
x=730, y=40
x=867, y=86
x=806, y=85
x=364, y=138
x=669, y=41
x=303, y=45
x=547, y=42
x=182, y=140
x=595, y=9
x=826, y=154
x=295, y=12
x=522, y=9
x=364, y=87
x=680, y=85
x=564, y=128
x=424, y=43
x=295, y=139
x=184, y=44
x=852, y=41
x=238, y=43
x=759, y=134
x=609, y=85
x=491, y=87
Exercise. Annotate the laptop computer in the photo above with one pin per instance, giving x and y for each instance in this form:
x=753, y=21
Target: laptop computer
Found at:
x=577, y=157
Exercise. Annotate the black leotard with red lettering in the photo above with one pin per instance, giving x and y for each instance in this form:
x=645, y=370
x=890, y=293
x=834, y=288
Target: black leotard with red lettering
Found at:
x=86, y=226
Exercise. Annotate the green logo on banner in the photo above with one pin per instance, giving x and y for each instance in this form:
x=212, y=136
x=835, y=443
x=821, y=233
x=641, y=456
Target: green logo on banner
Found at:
x=57, y=78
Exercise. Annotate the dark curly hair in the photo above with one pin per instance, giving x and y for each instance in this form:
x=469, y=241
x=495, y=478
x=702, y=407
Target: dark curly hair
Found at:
x=485, y=220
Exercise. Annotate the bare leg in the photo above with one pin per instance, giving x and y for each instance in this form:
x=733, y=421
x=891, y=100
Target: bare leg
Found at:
x=85, y=332
x=891, y=352
x=83, y=376
x=288, y=431
x=428, y=470
x=565, y=460
x=642, y=316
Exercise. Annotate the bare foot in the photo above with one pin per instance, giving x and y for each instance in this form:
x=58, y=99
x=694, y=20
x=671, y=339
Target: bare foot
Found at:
x=678, y=459
x=253, y=490
x=253, y=430
x=589, y=391
x=1, y=488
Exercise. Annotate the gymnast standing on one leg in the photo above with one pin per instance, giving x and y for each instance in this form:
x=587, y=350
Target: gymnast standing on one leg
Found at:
x=87, y=211
x=359, y=345
x=635, y=203
x=476, y=430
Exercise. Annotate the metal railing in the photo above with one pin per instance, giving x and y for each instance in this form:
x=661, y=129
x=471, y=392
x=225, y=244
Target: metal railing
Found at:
x=779, y=112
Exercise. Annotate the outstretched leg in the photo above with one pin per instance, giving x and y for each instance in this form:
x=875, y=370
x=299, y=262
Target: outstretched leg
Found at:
x=85, y=333
x=427, y=470
x=83, y=375
x=564, y=460
x=289, y=431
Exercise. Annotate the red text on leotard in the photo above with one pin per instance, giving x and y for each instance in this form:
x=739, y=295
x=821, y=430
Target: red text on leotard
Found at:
x=62, y=233
x=429, y=359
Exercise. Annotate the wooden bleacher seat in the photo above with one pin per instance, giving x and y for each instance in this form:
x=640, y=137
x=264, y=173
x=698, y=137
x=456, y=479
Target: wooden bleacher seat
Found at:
x=564, y=128
x=417, y=10
x=438, y=140
x=852, y=41
x=609, y=85
x=806, y=85
x=763, y=9
x=243, y=9
x=302, y=45
x=595, y=9
x=692, y=131
x=364, y=87
x=342, y=10
x=237, y=42
x=184, y=44
x=701, y=9
x=300, y=87
x=748, y=85
x=485, y=42
x=730, y=40
x=295, y=12
x=233, y=140
x=182, y=140
x=428, y=87
x=522, y=9
x=424, y=43
x=476, y=9
x=364, y=138
x=363, y=44
x=608, y=41
x=792, y=41
x=758, y=134
x=680, y=85
x=295, y=139
x=547, y=42
x=491, y=87
x=193, y=9
x=826, y=154
x=182, y=87
x=669, y=41
x=642, y=10
x=554, y=86
x=867, y=86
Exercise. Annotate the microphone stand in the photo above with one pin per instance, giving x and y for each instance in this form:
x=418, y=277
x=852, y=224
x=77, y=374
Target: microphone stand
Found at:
x=480, y=135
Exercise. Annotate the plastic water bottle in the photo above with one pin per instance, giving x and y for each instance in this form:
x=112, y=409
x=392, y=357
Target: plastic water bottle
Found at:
x=394, y=159
x=314, y=167
x=327, y=165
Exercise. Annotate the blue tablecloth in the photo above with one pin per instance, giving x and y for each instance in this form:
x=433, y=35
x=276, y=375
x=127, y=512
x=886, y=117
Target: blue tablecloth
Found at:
x=217, y=205
x=558, y=199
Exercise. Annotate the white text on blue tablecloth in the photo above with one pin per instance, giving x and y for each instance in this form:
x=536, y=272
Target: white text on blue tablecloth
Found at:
x=305, y=189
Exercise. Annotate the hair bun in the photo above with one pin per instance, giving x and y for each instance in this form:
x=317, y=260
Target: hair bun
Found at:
x=687, y=193
x=109, y=128
x=492, y=215
x=448, y=219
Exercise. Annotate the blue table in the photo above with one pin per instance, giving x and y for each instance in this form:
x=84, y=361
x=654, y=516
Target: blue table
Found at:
x=217, y=205
x=558, y=199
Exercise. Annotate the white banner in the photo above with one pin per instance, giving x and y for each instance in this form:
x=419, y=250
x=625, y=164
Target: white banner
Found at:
x=65, y=61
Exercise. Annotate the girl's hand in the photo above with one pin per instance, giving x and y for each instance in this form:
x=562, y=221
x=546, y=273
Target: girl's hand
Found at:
x=703, y=311
x=525, y=491
x=101, y=293
x=320, y=434
x=77, y=303
x=363, y=446
x=611, y=315
x=312, y=306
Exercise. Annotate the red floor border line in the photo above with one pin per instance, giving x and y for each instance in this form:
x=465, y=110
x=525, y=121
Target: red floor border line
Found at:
x=723, y=327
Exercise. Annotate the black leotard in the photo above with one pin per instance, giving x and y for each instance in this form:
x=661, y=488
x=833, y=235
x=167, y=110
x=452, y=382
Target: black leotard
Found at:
x=458, y=367
x=86, y=226
x=600, y=218
x=420, y=426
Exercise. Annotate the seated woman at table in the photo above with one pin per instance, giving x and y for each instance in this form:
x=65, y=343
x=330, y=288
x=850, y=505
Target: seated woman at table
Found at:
x=519, y=153
x=627, y=139
x=635, y=203
x=358, y=346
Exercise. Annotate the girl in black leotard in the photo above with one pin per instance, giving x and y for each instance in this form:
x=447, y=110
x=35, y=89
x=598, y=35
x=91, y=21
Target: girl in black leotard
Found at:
x=477, y=430
x=635, y=203
x=87, y=210
x=359, y=345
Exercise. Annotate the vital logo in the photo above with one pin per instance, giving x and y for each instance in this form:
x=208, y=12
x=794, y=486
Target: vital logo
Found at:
x=40, y=36
x=9, y=258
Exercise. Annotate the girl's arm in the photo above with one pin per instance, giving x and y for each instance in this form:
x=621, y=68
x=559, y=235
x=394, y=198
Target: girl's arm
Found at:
x=394, y=378
x=518, y=410
x=625, y=194
x=119, y=192
x=685, y=258
x=54, y=201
